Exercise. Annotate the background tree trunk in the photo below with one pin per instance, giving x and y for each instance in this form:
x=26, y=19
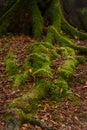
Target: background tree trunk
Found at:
x=75, y=12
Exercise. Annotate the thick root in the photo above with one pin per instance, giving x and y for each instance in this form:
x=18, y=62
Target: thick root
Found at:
x=68, y=68
x=71, y=30
x=37, y=20
x=23, y=108
x=66, y=41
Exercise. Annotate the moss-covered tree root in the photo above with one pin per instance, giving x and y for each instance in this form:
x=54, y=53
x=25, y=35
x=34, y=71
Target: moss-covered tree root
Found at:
x=22, y=109
x=74, y=32
x=38, y=60
x=63, y=40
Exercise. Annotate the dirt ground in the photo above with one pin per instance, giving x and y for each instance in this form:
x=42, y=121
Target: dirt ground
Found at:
x=69, y=114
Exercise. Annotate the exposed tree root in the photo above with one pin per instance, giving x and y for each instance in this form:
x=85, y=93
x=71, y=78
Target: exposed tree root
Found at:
x=65, y=41
x=71, y=30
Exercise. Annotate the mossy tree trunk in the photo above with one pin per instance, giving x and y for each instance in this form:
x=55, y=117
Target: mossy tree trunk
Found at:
x=76, y=13
x=40, y=18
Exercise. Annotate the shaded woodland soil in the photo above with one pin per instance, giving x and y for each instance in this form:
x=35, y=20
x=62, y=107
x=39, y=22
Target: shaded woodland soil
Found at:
x=69, y=114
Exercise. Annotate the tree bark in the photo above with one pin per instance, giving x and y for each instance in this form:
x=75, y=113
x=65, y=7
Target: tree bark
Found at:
x=76, y=13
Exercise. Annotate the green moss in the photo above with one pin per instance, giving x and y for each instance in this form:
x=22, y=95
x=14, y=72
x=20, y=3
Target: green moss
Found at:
x=30, y=100
x=59, y=88
x=11, y=64
x=19, y=80
x=22, y=108
x=39, y=59
x=23, y=104
x=11, y=68
x=66, y=51
x=37, y=20
x=42, y=73
x=18, y=115
x=80, y=59
x=74, y=100
x=54, y=14
x=44, y=48
x=26, y=74
x=68, y=68
x=27, y=106
x=49, y=36
x=82, y=49
x=71, y=30
x=38, y=47
x=53, y=54
x=66, y=41
x=41, y=88
x=62, y=39
x=10, y=55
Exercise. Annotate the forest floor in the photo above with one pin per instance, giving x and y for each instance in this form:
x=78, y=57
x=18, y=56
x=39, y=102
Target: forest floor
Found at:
x=69, y=114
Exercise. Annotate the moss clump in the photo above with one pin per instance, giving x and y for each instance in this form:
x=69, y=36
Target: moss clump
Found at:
x=80, y=59
x=68, y=68
x=38, y=60
x=26, y=74
x=40, y=55
x=44, y=48
x=43, y=73
x=11, y=64
x=59, y=88
x=12, y=70
x=39, y=65
x=19, y=80
x=66, y=51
